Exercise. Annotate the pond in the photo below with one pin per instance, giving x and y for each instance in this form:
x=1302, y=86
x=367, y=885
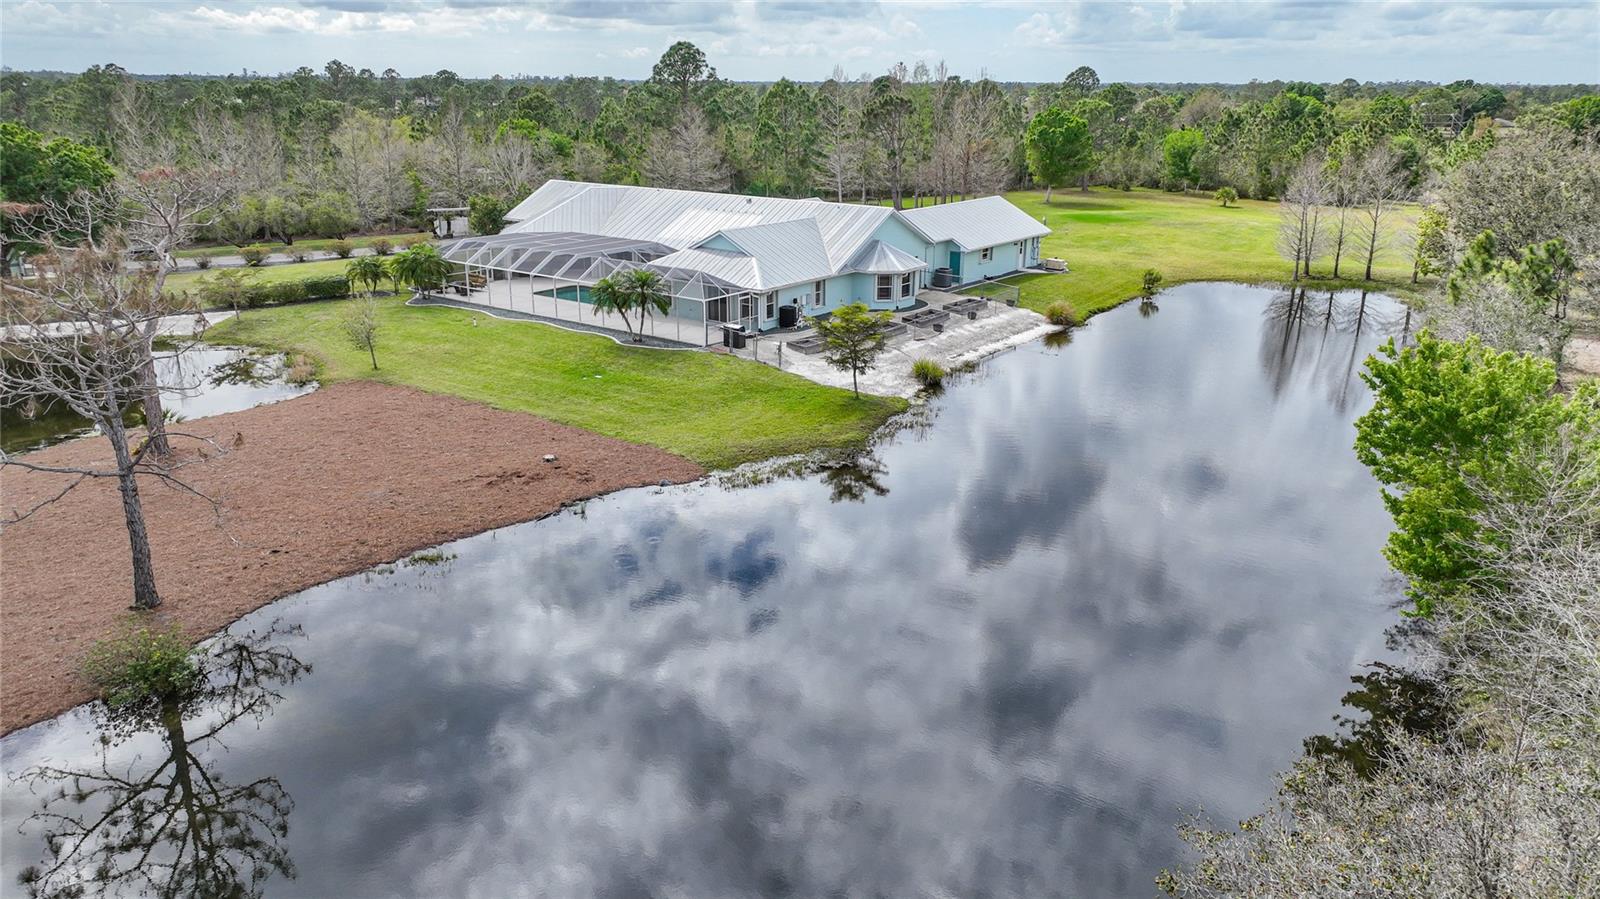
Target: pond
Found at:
x=204, y=380
x=1106, y=584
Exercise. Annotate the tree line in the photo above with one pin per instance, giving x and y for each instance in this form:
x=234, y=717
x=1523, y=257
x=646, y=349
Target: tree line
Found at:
x=342, y=150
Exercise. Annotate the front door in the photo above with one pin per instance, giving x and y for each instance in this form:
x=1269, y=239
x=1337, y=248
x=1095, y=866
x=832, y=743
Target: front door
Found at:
x=955, y=264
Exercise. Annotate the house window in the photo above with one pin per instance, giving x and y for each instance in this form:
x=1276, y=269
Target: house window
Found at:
x=905, y=284
x=986, y=254
x=747, y=306
x=819, y=295
x=886, y=287
x=772, y=304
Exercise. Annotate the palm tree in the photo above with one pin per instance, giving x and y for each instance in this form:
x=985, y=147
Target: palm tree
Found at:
x=608, y=295
x=646, y=292
x=420, y=267
x=366, y=271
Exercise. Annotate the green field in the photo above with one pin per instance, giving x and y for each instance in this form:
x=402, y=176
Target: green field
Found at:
x=1109, y=237
x=316, y=243
x=266, y=274
x=714, y=409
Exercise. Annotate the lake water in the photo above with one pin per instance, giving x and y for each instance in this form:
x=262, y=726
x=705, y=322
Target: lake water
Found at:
x=1108, y=584
x=203, y=380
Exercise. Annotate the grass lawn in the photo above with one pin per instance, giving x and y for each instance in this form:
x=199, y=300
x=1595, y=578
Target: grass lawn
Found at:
x=267, y=274
x=318, y=243
x=1109, y=237
x=714, y=409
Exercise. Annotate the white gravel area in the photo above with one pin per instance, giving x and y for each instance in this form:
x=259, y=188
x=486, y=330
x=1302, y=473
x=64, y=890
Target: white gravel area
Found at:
x=961, y=341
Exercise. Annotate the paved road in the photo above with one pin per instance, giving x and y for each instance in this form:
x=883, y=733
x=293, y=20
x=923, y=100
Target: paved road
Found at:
x=170, y=326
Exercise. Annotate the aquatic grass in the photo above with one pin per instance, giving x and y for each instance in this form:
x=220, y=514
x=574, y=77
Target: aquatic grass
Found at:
x=713, y=409
x=928, y=372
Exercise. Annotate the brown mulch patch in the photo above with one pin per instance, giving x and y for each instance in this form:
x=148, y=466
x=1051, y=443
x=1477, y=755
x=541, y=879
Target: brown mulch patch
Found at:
x=313, y=488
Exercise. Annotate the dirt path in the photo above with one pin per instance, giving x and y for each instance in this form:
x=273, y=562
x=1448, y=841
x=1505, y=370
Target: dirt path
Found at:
x=317, y=487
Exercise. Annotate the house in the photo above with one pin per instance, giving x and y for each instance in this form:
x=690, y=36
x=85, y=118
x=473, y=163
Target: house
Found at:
x=732, y=261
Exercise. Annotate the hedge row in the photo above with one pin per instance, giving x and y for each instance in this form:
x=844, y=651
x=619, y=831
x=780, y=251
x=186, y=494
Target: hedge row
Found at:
x=278, y=293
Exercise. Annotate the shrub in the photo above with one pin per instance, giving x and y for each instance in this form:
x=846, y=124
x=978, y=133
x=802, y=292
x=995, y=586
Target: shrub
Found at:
x=139, y=668
x=301, y=370
x=254, y=254
x=342, y=248
x=382, y=247
x=412, y=241
x=1062, y=314
x=327, y=287
x=202, y=261
x=928, y=372
x=1226, y=195
x=1150, y=284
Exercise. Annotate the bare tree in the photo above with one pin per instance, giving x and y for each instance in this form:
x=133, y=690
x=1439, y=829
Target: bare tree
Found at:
x=165, y=193
x=686, y=155
x=1301, y=237
x=451, y=160
x=515, y=166
x=358, y=169
x=77, y=335
x=1381, y=185
x=1342, y=187
x=844, y=145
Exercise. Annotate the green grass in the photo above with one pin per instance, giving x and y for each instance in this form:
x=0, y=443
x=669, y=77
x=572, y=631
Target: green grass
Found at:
x=1109, y=237
x=714, y=409
x=267, y=274
x=319, y=243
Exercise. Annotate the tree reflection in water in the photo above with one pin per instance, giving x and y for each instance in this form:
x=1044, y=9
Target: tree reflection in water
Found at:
x=178, y=828
x=852, y=480
x=1393, y=699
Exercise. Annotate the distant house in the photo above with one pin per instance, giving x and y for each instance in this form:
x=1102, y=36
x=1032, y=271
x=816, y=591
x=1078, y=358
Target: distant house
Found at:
x=732, y=261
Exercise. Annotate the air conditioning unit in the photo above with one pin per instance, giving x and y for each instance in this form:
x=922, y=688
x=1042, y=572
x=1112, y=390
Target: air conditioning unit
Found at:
x=1054, y=265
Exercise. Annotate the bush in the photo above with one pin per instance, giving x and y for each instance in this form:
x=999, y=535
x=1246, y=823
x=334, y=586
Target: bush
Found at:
x=278, y=293
x=203, y=261
x=382, y=246
x=254, y=254
x=1226, y=195
x=342, y=248
x=928, y=372
x=142, y=666
x=413, y=241
x=1150, y=284
x=299, y=254
x=1062, y=314
x=301, y=371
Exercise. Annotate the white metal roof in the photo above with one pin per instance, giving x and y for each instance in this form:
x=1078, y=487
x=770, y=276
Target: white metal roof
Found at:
x=685, y=218
x=788, y=252
x=738, y=269
x=880, y=258
x=974, y=224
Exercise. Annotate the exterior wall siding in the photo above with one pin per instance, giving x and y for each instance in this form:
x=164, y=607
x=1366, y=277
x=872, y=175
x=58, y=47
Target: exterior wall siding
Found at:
x=1006, y=260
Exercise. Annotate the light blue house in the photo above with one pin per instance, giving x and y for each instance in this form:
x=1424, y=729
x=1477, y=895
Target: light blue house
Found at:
x=734, y=262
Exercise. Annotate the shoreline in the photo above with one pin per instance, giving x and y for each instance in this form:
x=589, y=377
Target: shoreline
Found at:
x=314, y=488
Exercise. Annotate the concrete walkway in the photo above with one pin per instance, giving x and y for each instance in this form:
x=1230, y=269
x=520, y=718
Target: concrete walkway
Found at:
x=961, y=341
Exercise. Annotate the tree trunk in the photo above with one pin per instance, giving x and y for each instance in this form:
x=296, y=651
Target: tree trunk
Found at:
x=155, y=416
x=1047, y=195
x=1083, y=182
x=854, y=388
x=373, y=352
x=144, y=575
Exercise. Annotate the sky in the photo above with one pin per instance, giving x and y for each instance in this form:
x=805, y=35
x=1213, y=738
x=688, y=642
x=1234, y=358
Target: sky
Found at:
x=1138, y=40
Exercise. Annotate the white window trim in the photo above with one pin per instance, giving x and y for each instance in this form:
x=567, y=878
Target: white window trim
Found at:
x=819, y=295
x=880, y=285
x=906, y=287
x=986, y=254
x=772, y=304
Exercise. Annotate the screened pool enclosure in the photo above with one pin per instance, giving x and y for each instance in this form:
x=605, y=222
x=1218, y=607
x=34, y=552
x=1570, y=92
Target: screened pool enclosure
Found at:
x=549, y=273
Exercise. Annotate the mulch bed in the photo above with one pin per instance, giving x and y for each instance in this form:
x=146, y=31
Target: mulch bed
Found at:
x=313, y=488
